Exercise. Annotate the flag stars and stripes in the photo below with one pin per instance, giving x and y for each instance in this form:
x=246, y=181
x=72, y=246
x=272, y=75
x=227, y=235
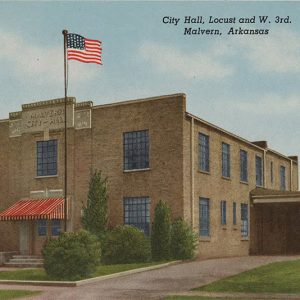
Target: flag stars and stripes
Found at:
x=82, y=49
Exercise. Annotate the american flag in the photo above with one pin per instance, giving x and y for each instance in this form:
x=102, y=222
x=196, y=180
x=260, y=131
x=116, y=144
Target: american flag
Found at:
x=83, y=49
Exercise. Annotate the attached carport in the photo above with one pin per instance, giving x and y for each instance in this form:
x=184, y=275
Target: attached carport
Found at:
x=274, y=222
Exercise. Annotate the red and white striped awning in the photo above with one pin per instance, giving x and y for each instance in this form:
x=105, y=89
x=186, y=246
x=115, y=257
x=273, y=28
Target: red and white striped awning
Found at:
x=33, y=209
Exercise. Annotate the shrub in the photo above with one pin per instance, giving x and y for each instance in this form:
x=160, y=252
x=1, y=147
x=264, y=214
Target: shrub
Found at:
x=72, y=255
x=161, y=232
x=125, y=244
x=183, y=240
x=94, y=217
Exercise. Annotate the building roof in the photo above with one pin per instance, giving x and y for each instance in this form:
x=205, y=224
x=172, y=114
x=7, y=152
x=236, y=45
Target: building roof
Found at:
x=262, y=195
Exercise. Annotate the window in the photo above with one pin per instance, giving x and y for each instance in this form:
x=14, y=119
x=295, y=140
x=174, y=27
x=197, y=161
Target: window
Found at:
x=271, y=172
x=42, y=227
x=204, y=152
x=282, y=178
x=55, y=227
x=259, y=171
x=47, y=158
x=136, y=150
x=234, y=213
x=137, y=213
x=244, y=219
x=223, y=212
x=243, y=165
x=225, y=160
x=204, y=217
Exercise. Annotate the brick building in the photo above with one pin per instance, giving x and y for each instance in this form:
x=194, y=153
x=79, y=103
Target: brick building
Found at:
x=239, y=196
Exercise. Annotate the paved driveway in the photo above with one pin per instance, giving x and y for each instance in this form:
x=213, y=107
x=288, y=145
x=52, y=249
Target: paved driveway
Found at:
x=156, y=284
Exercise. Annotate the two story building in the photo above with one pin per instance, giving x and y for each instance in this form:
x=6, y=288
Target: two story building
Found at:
x=239, y=196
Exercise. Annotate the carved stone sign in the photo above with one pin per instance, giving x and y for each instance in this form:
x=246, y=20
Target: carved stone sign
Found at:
x=83, y=119
x=48, y=117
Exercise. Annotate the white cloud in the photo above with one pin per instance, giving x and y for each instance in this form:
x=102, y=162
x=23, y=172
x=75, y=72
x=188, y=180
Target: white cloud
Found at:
x=267, y=105
x=39, y=65
x=277, y=52
x=202, y=64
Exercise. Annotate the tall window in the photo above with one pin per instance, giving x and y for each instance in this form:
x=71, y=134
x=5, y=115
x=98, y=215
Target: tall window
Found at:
x=244, y=219
x=282, y=178
x=243, y=165
x=234, y=213
x=136, y=150
x=223, y=212
x=271, y=172
x=42, y=227
x=204, y=217
x=55, y=227
x=225, y=160
x=259, y=170
x=203, y=152
x=137, y=213
x=47, y=158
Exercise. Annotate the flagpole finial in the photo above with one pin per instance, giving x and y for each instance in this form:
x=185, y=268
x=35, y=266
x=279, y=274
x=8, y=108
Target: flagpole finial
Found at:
x=65, y=32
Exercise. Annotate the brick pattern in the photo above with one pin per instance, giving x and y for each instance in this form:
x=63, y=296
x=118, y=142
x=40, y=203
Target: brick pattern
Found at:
x=173, y=174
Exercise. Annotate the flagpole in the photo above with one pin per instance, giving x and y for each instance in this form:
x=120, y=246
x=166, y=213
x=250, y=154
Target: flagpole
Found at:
x=65, y=32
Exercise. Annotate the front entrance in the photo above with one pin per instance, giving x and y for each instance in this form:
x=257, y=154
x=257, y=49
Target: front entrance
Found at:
x=275, y=228
x=24, y=237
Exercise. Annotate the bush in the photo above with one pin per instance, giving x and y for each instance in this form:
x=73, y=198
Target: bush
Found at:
x=183, y=240
x=161, y=232
x=72, y=256
x=125, y=244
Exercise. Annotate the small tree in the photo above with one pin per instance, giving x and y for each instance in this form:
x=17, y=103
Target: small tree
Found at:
x=94, y=218
x=183, y=240
x=161, y=232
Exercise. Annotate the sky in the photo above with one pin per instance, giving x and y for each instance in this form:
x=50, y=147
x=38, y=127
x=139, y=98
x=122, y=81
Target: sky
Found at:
x=246, y=84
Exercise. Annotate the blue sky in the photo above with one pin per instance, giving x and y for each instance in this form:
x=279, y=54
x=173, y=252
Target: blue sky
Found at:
x=248, y=85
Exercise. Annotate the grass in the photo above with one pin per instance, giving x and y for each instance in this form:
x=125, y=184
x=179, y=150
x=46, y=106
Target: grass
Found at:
x=40, y=274
x=12, y=294
x=200, y=298
x=281, y=277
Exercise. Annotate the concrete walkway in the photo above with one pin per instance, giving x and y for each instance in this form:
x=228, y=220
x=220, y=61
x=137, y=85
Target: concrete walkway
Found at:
x=156, y=284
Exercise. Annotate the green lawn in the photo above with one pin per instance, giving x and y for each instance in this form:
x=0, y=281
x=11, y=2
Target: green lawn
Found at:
x=281, y=277
x=11, y=294
x=200, y=298
x=40, y=274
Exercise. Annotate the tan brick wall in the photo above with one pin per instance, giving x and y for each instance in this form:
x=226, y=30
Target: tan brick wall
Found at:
x=169, y=177
x=225, y=240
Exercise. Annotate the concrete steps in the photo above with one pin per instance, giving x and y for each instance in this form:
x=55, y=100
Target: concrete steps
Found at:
x=25, y=261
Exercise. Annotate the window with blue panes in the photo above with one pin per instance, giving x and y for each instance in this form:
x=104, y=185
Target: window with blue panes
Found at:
x=55, y=227
x=46, y=158
x=271, y=172
x=243, y=165
x=244, y=219
x=282, y=178
x=258, y=171
x=225, y=160
x=234, y=213
x=223, y=212
x=204, y=224
x=42, y=227
x=137, y=213
x=203, y=152
x=136, y=150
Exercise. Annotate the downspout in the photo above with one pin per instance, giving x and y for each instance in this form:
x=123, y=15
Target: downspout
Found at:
x=265, y=170
x=291, y=175
x=192, y=175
